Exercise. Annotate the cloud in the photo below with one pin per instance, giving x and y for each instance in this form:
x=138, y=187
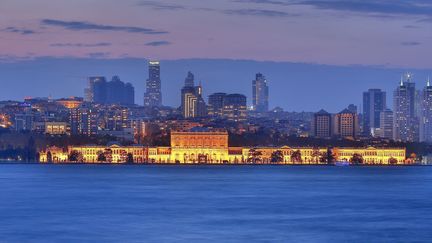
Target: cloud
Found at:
x=158, y=43
x=412, y=7
x=19, y=31
x=410, y=43
x=100, y=44
x=81, y=25
x=410, y=26
x=259, y=12
x=161, y=6
x=99, y=54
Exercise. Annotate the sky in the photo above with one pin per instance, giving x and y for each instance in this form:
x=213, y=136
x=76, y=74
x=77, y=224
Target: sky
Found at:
x=376, y=36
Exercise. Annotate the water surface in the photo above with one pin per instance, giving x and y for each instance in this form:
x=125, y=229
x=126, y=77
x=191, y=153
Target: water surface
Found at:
x=105, y=203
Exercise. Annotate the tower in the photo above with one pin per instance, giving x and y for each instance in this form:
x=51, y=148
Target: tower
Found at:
x=260, y=93
x=153, y=94
x=426, y=114
x=405, y=120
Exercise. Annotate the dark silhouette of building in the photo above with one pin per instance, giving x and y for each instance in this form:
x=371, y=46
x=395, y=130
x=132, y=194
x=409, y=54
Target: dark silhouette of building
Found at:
x=113, y=92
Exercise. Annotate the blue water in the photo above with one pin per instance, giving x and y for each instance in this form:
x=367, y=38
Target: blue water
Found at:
x=90, y=203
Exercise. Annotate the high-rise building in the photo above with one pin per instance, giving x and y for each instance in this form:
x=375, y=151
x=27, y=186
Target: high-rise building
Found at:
x=192, y=102
x=345, y=124
x=322, y=124
x=83, y=120
x=405, y=120
x=426, y=114
x=386, y=124
x=374, y=102
x=235, y=107
x=215, y=104
x=153, y=94
x=113, y=92
x=260, y=93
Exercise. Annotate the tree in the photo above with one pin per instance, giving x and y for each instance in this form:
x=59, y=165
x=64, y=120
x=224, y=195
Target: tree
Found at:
x=49, y=157
x=356, y=159
x=296, y=157
x=74, y=156
x=277, y=156
x=316, y=155
x=130, y=158
x=392, y=161
x=330, y=158
x=254, y=155
x=30, y=150
x=101, y=156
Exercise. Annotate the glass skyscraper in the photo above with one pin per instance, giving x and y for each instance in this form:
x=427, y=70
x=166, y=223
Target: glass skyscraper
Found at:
x=153, y=94
x=260, y=94
x=405, y=120
x=374, y=102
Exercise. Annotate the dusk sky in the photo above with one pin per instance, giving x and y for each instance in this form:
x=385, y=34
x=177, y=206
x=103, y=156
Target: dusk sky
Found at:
x=373, y=33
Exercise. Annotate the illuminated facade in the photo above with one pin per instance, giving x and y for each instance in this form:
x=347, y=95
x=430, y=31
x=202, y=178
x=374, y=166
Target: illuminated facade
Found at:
x=372, y=155
x=70, y=103
x=199, y=145
x=210, y=146
x=56, y=128
x=201, y=149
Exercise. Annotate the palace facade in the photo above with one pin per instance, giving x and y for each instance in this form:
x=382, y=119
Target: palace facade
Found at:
x=210, y=146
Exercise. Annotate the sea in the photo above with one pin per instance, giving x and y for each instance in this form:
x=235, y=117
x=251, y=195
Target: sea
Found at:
x=203, y=203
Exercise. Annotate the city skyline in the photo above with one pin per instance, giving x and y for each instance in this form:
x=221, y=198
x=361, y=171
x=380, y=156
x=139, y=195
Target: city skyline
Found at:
x=243, y=89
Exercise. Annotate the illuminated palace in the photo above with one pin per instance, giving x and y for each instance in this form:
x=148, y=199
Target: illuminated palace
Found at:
x=210, y=146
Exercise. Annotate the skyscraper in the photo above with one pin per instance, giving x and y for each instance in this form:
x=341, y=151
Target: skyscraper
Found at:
x=153, y=94
x=192, y=102
x=426, y=114
x=260, y=94
x=374, y=102
x=405, y=121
